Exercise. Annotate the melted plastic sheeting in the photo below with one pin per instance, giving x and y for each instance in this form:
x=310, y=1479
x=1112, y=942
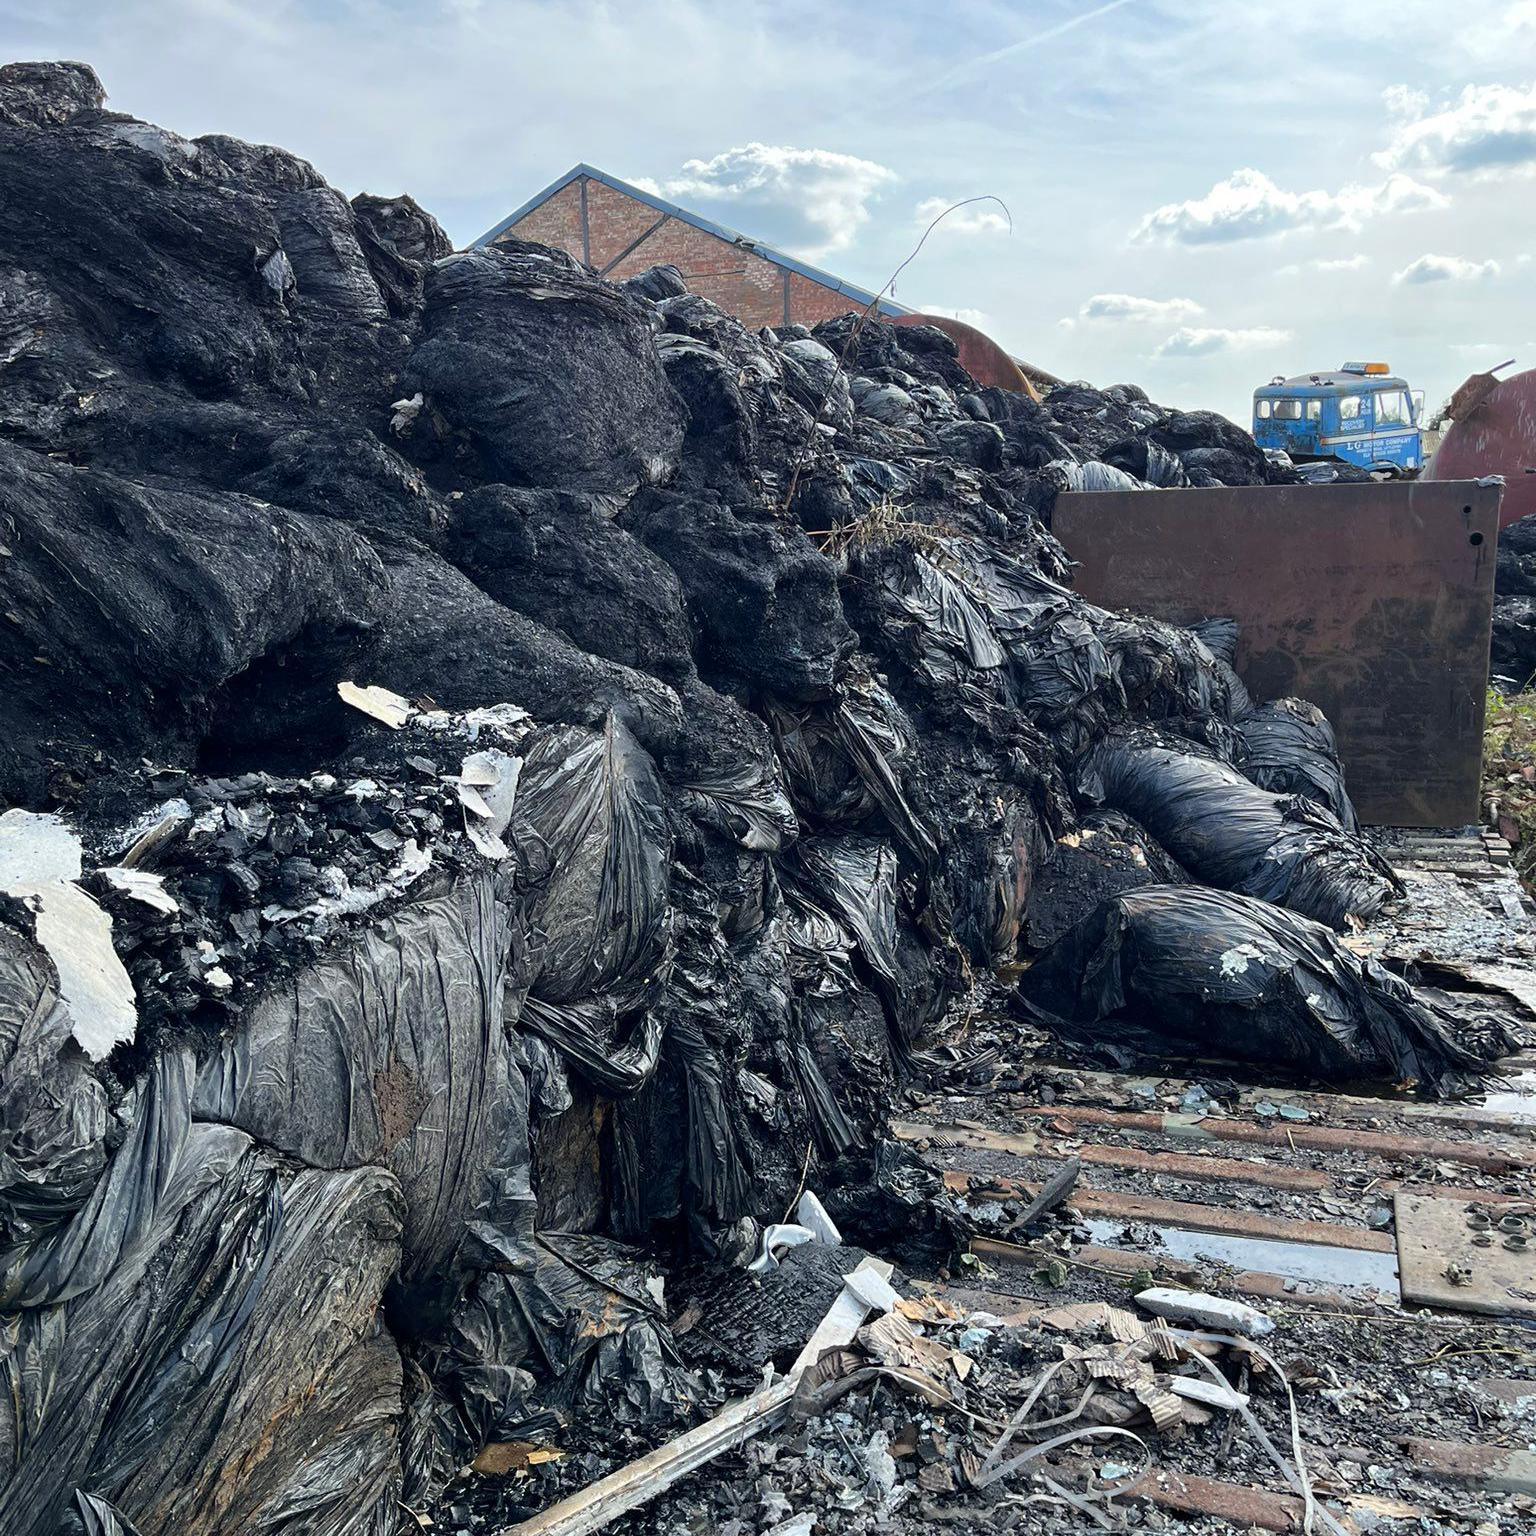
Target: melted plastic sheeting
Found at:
x=587, y=1035
x=1228, y=832
x=392, y=1050
x=744, y=803
x=1207, y=972
x=590, y=823
x=95, y=1517
x=237, y=1330
x=53, y=1112
x=851, y=760
x=855, y=878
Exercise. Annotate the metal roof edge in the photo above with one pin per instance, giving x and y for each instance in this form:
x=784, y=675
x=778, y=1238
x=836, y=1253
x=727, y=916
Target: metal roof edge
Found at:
x=720, y=231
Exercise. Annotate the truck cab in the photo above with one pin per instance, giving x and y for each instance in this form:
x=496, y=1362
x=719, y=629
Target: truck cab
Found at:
x=1362, y=413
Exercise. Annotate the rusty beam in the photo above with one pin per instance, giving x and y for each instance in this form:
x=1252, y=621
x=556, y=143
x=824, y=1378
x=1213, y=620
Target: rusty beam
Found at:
x=1134, y=1159
x=1326, y=1138
x=1265, y=1175
x=1256, y=1284
x=1493, y=1468
x=1330, y=1108
x=1183, y=1213
x=1243, y=1507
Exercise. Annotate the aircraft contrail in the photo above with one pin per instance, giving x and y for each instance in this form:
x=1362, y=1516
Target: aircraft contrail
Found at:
x=984, y=60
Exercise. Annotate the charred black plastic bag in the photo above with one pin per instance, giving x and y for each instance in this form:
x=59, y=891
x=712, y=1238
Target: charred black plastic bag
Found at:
x=1105, y=855
x=1289, y=747
x=855, y=878
x=848, y=761
x=1230, y=833
x=1183, y=968
x=590, y=821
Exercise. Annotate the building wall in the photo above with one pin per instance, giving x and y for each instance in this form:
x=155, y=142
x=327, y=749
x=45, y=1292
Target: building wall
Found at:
x=624, y=236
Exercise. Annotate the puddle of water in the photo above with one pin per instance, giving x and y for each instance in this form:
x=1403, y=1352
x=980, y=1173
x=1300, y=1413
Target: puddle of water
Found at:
x=1517, y=1097
x=1310, y=1264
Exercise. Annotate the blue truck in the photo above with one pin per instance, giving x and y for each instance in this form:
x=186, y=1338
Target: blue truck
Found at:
x=1361, y=413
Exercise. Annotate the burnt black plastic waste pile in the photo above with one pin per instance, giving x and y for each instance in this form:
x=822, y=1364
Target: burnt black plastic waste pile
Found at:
x=1514, y=604
x=662, y=820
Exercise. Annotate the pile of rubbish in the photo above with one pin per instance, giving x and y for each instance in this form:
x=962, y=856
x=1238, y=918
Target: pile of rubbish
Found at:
x=497, y=757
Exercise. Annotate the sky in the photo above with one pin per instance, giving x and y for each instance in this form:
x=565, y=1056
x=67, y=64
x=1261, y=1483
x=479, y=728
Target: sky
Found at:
x=1191, y=195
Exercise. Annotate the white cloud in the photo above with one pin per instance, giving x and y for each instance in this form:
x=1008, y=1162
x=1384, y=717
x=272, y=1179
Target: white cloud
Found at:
x=823, y=193
x=1248, y=205
x=1446, y=269
x=1488, y=129
x=1404, y=101
x=977, y=317
x=1326, y=264
x=1129, y=307
x=976, y=219
x=1204, y=341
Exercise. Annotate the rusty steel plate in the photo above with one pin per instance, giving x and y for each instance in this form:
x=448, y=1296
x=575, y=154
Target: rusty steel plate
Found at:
x=1498, y=437
x=1373, y=601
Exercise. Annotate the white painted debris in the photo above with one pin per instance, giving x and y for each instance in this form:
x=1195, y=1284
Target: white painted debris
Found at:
x=92, y=982
x=143, y=886
x=487, y=788
x=1208, y=1311
x=873, y=1289
x=386, y=707
x=40, y=858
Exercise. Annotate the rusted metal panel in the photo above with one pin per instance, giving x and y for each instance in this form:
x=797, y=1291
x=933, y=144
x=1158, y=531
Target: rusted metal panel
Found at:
x=1442, y=1264
x=1494, y=434
x=1373, y=601
x=981, y=357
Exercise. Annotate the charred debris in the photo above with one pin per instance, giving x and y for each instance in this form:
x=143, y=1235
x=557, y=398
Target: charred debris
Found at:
x=477, y=851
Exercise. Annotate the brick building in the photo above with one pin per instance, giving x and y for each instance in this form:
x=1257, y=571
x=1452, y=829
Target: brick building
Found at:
x=618, y=230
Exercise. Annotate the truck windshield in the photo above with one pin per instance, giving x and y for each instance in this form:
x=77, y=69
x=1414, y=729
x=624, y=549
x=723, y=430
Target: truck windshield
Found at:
x=1392, y=408
x=1288, y=410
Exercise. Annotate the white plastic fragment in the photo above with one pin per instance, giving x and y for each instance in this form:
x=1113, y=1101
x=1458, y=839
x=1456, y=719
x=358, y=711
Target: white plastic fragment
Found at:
x=1207, y=1392
x=1208, y=1311
x=810, y=1212
x=778, y=1238
x=384, y=706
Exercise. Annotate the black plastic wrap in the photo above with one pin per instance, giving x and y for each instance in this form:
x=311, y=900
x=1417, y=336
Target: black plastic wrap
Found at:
x=1289, y=747
x=1230, y=833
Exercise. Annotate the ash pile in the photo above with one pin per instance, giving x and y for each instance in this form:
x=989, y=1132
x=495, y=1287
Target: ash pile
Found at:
x=503, y=766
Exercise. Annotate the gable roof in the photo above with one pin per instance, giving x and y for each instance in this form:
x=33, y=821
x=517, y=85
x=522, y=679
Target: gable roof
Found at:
x=860, y=296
